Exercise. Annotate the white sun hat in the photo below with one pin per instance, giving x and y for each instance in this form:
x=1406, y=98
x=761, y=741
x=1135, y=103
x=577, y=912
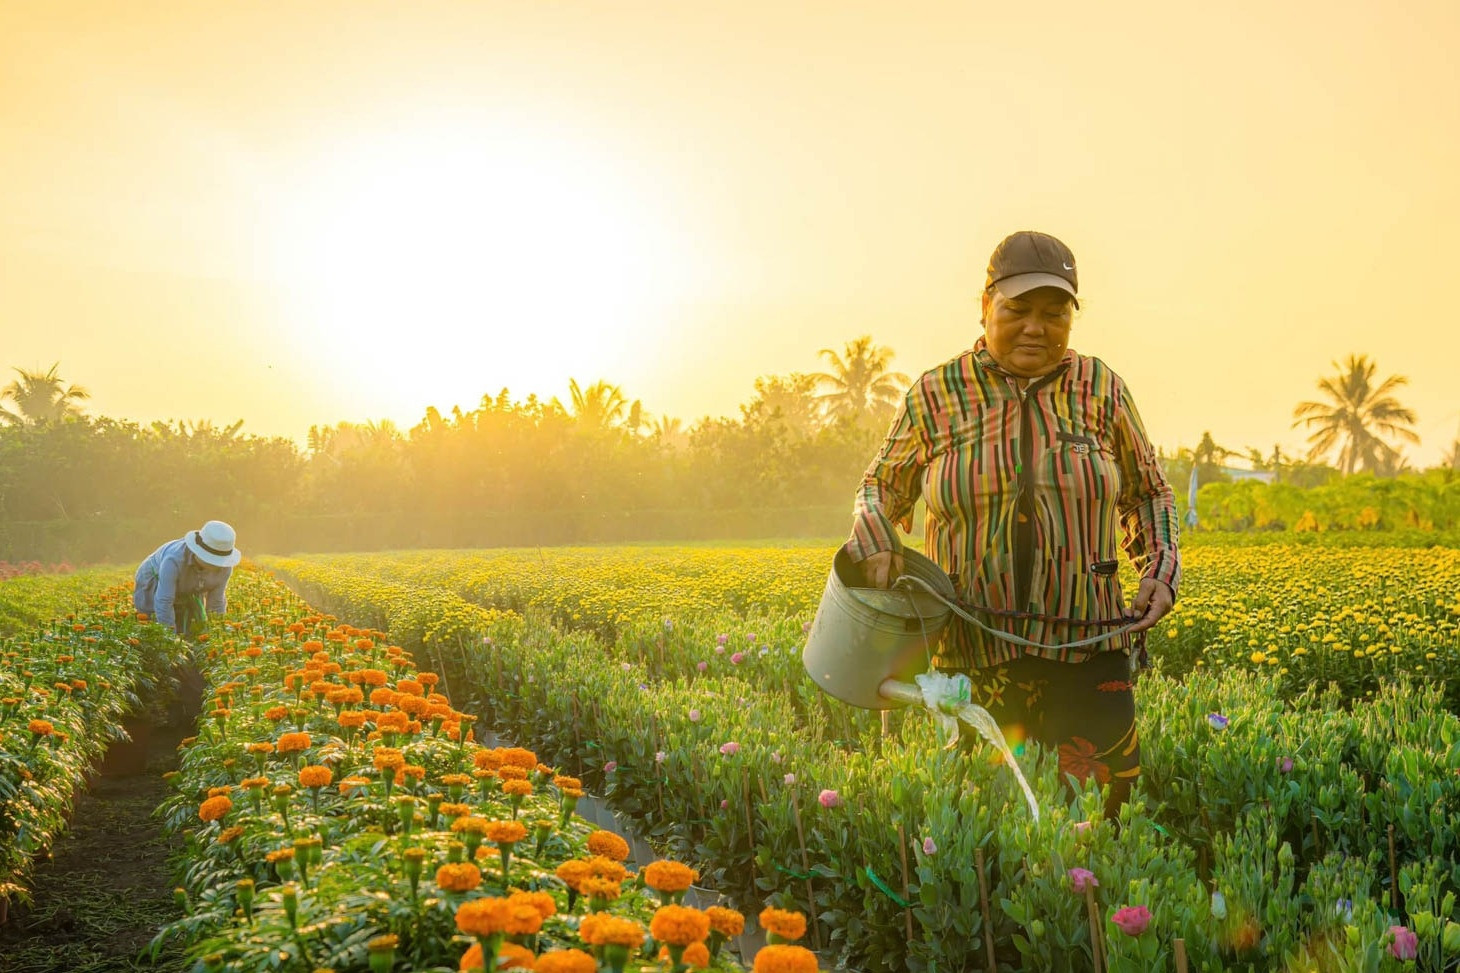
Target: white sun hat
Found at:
x=213, y=544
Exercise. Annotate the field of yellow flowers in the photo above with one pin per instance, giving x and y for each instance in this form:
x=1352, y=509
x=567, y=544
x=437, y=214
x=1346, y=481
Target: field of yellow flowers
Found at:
x=1299, y=806
x=670, y=680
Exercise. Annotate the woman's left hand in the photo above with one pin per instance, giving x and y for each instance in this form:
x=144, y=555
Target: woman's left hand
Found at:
x=1153, y=603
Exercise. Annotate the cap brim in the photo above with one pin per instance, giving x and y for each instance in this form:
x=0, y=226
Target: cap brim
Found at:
x=1024, y=283
x=228, y=560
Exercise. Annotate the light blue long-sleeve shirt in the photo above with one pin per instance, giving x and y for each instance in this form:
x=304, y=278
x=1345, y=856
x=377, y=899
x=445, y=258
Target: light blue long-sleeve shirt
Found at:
x=169, y=574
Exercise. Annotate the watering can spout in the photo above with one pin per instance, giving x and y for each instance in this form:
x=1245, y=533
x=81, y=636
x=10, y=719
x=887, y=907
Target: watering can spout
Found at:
x=898, y=691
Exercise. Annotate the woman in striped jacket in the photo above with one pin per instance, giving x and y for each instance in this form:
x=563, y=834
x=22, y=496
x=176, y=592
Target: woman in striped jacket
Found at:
x=1035, y=469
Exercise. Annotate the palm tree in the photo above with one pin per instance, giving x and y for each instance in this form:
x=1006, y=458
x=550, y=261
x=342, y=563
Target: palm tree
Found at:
x=860, y=381
x=600, y=406
x=1355, y=417
x=668, y=432
x=791, y=397
x=41, y=398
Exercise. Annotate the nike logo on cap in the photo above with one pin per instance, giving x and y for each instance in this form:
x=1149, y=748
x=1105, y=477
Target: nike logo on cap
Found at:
x=1066, y=266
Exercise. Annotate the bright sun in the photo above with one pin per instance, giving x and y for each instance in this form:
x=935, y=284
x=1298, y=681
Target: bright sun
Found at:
x=442, y=266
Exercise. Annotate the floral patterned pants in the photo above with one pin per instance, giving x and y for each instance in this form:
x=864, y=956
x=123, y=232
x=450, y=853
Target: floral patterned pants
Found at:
x=1085, y=711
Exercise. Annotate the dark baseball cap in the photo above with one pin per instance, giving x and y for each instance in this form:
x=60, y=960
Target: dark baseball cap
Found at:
x=1030, y=259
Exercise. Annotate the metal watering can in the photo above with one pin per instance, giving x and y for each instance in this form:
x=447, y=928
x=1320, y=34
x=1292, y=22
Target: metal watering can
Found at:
x=862, y=638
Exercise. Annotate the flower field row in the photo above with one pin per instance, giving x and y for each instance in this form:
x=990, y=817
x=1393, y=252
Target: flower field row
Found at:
x=64, y=690
x=338, y=815
x=1258, y=836
x=28, y=600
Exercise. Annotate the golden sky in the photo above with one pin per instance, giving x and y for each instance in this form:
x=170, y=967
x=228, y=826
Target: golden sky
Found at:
x=296, y=213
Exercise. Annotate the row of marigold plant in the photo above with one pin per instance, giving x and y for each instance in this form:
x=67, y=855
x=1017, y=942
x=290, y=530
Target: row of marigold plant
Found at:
x=1240, y=788
x=338, y=814
x=65, y=689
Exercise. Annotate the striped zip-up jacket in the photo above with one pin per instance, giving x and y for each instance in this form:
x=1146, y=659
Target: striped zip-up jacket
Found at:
x=1025, y=491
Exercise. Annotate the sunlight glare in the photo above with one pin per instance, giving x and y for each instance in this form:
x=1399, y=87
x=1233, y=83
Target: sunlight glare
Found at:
x=449, y=266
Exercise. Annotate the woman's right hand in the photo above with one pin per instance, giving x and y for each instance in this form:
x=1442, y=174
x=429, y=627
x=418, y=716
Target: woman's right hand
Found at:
x=880, y=570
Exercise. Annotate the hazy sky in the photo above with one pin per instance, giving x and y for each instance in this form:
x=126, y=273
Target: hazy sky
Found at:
x=296, y=213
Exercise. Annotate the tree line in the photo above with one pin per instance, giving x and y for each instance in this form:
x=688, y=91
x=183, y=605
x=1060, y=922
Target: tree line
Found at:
x=527, y=471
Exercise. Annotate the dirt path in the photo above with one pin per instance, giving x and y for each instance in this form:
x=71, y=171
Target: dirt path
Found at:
x=107, y=887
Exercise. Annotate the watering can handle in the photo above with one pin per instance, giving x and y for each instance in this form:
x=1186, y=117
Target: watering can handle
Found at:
x=1005, y=636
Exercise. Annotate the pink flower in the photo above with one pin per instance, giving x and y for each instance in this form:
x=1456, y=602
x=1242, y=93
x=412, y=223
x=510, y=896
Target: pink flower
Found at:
x=694, y=716
x=829, y=798
x=724, y=804
x=805, y=627
x=702, y=666
x=730, y=749
x=737, y=658
x=659, y=756
x=1082, y=828
x=610, y=767
x=719, y=650
x=1132, y=920
x=1285, y=764
x=789, y=779
x=721, y=639
x=1405, y=944
x=750, y=638
x=929, y=848
x=1082, y=879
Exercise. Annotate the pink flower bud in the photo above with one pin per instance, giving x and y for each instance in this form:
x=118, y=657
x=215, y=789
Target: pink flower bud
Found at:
x=1405, y=945
x=730, y=749
x=1082, y=879
x=610, y=767
x=829, y=798
x=929, y=848
x=737, y=658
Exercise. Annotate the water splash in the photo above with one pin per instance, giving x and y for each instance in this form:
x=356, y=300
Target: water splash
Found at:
x=948, y=698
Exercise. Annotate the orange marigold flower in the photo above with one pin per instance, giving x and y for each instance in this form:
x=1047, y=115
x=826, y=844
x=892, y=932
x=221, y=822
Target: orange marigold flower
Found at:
x=280, y=855
x=517, y=788
x=482, y=917
x=696, y=955
x=229, y=835
x=566, y=961
x=607, y=868
x=394, y=721
x=470, y=823
x=600, y=888
x=523, y=917
x=727, y=922
x=679, y=925
x=351, y=783
x=388, y=758
x=214, y=808
x=787, y=925
x=410, y=770
x=352, y=719
x=602, y=929
x=450, y=810
x=276, y=713
x=264, y=747
x=41, y=728
x=780, y=958
x=519, y=757
x=315, y=775
x=510, y=956
x=511, y=772
x=669, y=876
x=458, y=877
x=414, y=705
x=504, y=832
x=252, y=782
x=573, y=872
x=427, y=678
x=410, y=687
x=543, y=902
x=383, y=696
x=456, y=780
x=609, y=845
x=223, y=791
x=487, y=759
x=294, y=742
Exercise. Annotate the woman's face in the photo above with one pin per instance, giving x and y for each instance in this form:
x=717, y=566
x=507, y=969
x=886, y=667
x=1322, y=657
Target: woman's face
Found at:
x=1028, y=334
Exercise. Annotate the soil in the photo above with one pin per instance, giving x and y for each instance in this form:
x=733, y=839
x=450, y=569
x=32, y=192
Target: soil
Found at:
x=106, y=887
